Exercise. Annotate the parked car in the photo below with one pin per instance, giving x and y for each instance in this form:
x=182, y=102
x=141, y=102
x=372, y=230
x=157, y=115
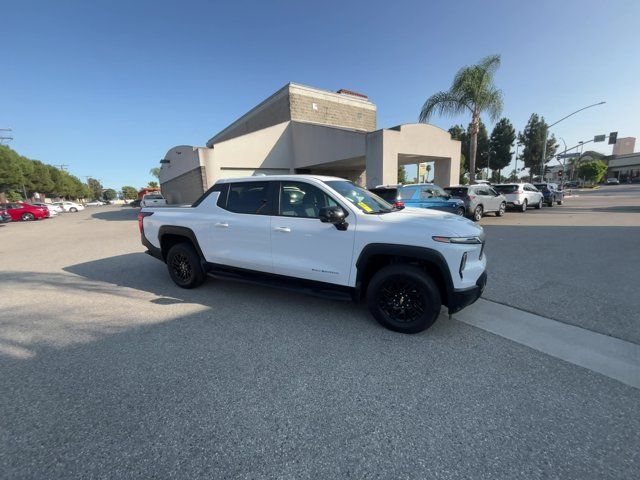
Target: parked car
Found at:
x=53, y=209
x=70, y=206
x=572, y=184
x=153, y=200
x=479, y=199
x=135, y=203
x=520, y=195
x=613, y=181
x=327, y=236
x=4, y=215
x=551, y=193
x=94, y=203
x=25, y=212
x=421, y=195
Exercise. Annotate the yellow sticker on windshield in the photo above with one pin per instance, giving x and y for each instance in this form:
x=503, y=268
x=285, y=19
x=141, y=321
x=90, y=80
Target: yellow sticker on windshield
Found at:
x=365, y=207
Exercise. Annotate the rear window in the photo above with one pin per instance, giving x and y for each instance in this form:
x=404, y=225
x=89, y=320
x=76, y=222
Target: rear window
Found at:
x=249, y=197
x=153, y=197
x=506, y=188
x=407, y=193
x=541, y=186
x=457, y=192
x=388, y=194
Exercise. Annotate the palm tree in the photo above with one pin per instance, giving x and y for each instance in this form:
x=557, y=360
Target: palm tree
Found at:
x=473, y=91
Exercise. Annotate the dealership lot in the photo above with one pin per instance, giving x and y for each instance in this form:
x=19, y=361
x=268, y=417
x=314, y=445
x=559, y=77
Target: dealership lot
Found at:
x=109, y=370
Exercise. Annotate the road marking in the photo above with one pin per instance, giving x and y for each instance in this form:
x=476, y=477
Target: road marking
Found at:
x=609, y=356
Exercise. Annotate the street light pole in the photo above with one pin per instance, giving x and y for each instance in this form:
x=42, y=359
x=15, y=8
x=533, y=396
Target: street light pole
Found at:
x=546, y=133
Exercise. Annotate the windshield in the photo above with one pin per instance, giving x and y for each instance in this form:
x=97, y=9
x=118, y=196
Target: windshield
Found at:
x=459, y=192
x=153, y=197
x=506, y=188
x=541, y=186
x=387, y=194
x=366, y=201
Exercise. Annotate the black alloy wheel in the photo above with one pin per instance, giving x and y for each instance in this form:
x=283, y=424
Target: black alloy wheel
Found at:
x=403, y=298
x=185, y=266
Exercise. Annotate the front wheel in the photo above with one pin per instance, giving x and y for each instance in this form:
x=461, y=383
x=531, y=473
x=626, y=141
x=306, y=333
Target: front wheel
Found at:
x=185, y=267
x=559, y=202
x=403, y=298
x=27, y=217
x=539, y=205
x=73, y=209
x=477, y=213
x=550, y=204
x=460, y=211
x=501, y=210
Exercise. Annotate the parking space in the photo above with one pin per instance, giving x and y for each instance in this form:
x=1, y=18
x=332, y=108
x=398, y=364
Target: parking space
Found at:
x=110, y=370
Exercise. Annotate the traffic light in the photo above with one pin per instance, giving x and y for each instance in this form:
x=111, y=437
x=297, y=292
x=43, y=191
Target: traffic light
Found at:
x=613, y=137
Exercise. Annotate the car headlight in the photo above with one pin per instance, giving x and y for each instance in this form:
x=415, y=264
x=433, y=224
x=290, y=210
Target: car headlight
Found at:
x=459, y=240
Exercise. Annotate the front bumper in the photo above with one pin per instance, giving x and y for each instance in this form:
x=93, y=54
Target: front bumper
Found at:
x=464, y=297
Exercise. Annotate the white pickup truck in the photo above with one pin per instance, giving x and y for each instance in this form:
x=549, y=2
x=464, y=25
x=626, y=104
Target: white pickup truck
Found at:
x=327, y=236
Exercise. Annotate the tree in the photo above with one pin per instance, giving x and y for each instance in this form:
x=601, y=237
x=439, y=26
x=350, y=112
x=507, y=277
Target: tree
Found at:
x=428, y=169
x=482, y=151
x=155, y=172
x=152, y=184
x=11, y=176
x=592, y=171
x=109, y=194
x=41, y=180
x=472, y=92
x=502, y=138
x=532, y=139
x=402, y=174
x=95, y=188
x=129, y=193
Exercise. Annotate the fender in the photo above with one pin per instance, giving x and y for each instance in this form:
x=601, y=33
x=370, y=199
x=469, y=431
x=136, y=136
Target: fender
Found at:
x=393, y=250
x=181, y=232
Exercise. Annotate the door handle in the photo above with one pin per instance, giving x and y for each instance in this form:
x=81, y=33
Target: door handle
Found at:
x=222, y=225
x=282, y=229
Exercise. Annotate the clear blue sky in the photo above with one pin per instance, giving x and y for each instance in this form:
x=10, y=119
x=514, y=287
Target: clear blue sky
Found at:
x=108, y=86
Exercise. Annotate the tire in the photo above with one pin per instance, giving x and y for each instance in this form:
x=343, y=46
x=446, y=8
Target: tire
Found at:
x=550, y=204
x=539, y=205
x=185, y=266
x=27, y=217
x=477, y=213
x=501, y=210
x=396, y=284
x=523, y=207
x=559, y=202
x=73, y=209
x=460, y=211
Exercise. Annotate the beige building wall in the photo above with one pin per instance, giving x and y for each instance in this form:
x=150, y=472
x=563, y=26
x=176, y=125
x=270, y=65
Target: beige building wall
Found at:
x=624, y=146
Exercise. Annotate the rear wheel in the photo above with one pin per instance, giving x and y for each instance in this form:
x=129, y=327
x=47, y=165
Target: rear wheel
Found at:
x=403, y=298
x=501, y=210
x=523, y=207
x=27, y=217
x=477, y=213
x=550, y=204
x=539, y=205
x=559, y=202
x=73, y=209
x=185, y=267
x=460, y=211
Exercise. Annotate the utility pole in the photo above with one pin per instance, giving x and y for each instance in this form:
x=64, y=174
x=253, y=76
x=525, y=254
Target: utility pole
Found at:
x=64, y=167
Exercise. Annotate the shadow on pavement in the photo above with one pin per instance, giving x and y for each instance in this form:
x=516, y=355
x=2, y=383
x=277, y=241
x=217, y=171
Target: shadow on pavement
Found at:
x=122, y=214
x=618, y=209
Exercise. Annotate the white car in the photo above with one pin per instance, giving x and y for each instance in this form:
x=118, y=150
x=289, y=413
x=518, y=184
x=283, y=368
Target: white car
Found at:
x=53, y=209
x=521, y=195
x=327, y=236
x=70, y=206
x=94, y=203
x=613, y=181
x=153, y=200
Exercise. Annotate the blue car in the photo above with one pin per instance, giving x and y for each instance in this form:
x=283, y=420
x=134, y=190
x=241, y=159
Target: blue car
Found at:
x=421, y=195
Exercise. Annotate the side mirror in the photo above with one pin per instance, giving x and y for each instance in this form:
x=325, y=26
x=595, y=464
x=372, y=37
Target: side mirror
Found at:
x=335, y=215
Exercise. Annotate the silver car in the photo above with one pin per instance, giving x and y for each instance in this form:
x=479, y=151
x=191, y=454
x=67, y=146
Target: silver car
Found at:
x=521, y=195
x=479, y=199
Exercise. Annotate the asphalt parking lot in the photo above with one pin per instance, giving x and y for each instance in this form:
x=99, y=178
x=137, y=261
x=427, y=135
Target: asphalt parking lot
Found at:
x=109, y=371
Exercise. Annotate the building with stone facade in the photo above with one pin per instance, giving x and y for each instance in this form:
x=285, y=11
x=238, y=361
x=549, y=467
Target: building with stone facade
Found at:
x=300, y=129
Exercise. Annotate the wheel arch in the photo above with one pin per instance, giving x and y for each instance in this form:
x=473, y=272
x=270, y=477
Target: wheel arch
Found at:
x=170, y=235
x=378, y=255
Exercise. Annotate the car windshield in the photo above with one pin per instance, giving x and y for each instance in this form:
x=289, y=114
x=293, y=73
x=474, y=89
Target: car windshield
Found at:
x=153, y=197
x=365, y=200
x=458, y=192
x=434, y=191
x=506, y=188
x=387, y=194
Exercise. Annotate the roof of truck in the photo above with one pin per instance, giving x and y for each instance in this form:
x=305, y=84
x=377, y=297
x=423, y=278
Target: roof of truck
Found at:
x=322, y=178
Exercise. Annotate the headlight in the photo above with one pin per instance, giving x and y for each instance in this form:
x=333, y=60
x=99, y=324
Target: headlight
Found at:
x=459, y=240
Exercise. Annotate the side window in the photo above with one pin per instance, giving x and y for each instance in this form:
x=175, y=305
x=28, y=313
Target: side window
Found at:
x=249, y=197
x=407, y=193
x=493, y=192
x=426, y=192
x=482, y=191
x=300, y=199
x=223, y=188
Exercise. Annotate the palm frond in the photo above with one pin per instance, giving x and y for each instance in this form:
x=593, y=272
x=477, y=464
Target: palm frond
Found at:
x=442, y=103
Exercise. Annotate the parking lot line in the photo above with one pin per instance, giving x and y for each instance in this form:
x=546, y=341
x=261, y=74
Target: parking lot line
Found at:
x=609, y=356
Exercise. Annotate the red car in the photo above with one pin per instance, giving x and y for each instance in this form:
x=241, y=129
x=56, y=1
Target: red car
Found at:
x=25, y=212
